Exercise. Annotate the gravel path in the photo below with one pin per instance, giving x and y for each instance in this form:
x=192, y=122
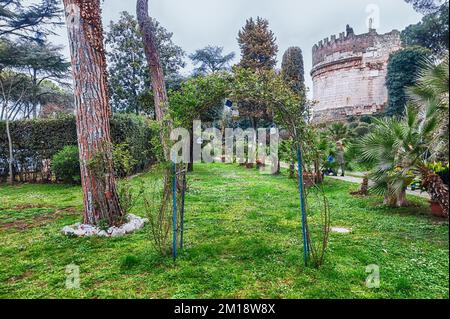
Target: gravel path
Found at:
x=357, y=178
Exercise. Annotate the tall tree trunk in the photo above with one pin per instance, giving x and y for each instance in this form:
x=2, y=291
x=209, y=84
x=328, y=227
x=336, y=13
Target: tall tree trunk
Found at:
x=34, y=95
x=318, y=177
x=101, y=201
x=156, y=72
x=292, y=170
x=191, y=154
x=278, y=171
x=161, y=106
x=11, y=155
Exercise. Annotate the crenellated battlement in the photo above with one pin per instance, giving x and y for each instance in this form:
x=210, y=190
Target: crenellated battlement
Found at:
x=349, y=73
x=350, y=42
x=334, y=39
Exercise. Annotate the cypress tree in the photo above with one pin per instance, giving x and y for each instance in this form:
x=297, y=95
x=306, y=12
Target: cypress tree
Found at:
x=258, y=45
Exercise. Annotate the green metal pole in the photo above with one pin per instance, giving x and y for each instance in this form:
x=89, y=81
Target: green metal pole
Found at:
x=174, y=212
x=182, y=209
x=302, y=204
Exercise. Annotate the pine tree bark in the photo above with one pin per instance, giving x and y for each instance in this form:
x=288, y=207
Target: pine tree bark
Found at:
x=156, y=72
x=101, y=200
x=34, y=95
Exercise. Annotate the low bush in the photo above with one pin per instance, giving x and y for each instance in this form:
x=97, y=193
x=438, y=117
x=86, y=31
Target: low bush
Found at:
x=66, y=165
x=124, y=163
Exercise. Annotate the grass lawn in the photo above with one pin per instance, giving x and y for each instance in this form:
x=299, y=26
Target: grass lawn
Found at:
x=243, y=240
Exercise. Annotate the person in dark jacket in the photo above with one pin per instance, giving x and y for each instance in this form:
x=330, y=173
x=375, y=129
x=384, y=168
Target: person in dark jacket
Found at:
x=340, y=156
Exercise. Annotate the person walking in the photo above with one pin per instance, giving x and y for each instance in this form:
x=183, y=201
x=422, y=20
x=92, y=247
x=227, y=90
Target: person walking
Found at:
x=340, y=156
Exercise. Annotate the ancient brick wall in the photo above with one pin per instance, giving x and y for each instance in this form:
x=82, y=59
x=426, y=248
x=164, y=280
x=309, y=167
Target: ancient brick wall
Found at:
x=349, y=74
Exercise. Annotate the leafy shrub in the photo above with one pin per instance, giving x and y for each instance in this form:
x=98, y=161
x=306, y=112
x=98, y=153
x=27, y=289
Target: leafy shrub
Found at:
x=126, y=196
x=158, y=208
x=361, y=130
x=136, y=132
x=124, y=163
x=438, y=167
x=66, y=165
x=441, y=169
x=402, y=71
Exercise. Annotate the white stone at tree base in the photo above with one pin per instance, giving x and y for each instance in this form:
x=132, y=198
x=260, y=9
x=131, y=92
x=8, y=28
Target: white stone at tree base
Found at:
x=133, y=224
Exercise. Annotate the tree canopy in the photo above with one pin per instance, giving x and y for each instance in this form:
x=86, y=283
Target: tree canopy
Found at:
x=432, y=32
x=34, y=21
x=199, y=98
x=40, y=66
x=425, y=6
x=129, y=81
x=211, y=59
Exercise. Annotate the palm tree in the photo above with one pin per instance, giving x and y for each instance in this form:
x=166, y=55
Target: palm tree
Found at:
x=432, y=88
x=400, y=149
x=338, y=132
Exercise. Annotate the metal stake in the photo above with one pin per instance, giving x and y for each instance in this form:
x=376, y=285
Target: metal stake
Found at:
x=174, y=212
x=302, y=204
x=182, y=210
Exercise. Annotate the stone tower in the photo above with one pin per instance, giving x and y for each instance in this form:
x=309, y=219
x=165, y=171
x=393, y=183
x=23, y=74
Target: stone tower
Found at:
x=349, y=74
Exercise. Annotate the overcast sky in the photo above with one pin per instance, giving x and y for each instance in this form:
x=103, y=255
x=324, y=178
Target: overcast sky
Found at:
x=198, y=23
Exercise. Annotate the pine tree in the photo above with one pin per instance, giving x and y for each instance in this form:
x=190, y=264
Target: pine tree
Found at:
x=129, y=81
x=258, y=45
x=101, y=200
x=31, y=21
x=211, y=60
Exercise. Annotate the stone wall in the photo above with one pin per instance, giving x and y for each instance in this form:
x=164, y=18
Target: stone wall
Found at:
x=349, y=74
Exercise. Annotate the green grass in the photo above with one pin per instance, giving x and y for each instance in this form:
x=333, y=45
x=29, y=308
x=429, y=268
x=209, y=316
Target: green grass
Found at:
x=243, y=240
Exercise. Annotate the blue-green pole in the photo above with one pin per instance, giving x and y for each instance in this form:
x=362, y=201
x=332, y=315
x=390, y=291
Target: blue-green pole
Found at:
x=182, y=210
x=174, y=213
x=302, y=204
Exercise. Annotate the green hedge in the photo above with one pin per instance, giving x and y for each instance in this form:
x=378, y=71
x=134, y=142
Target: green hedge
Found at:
x=35, y=142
